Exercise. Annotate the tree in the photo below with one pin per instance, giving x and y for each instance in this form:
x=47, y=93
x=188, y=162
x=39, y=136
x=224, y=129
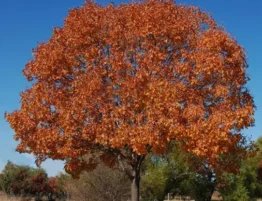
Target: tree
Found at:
x=39, y=185
x=103, y=184
x=248, y=182
x=207, y=179
x=20, y=184
x=124, y=81
x=7, y=176
x=203, y=184
x=236, y=192
x=187, y=174
x=14, y=179
x=61, y=180
x=22, y=180
x=161, y=175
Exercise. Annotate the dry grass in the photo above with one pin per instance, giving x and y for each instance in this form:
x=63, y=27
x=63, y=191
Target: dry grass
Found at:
x=4, y=197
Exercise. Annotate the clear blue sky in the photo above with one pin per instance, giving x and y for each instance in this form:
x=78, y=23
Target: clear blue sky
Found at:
x=24, y=23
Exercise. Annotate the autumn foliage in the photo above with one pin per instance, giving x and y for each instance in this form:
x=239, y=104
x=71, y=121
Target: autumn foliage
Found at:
x=20, y=180
x=133, y=78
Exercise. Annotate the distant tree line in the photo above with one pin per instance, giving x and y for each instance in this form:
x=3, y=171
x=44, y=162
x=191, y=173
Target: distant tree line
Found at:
x=177, y=173
x=23, y=180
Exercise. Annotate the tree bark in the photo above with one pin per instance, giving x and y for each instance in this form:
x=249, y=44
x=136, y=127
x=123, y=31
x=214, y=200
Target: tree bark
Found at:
x=135, y=188
x=135, y=185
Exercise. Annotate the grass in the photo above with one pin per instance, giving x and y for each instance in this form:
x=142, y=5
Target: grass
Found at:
x=4, y=197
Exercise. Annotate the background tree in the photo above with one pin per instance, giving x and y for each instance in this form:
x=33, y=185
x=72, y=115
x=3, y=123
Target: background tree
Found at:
x=20, y=184
x=14, y=179
x=62, y=179
x=203, y=183
x=103, y=184
x=39, y=185
x=7, y=176
x=123, y=81
x=53, y=189
x=246, y=184
x=22, y=180
x=186, y=174
x=206, y=179
x=162, y=175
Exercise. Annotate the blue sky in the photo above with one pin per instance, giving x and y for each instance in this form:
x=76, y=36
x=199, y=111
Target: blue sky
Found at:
x=25, y=23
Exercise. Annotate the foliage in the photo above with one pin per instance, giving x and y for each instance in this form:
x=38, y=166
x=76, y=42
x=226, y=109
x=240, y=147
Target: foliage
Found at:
x=186, y=174
x=21, y=180
x=247, y=183
x=235, y=190
x=20, y=185
x=203, y=186
x=164, y=174
x=14, y=178
x=174, y=174
x=61, y=180
x=39, y=183
x=118, y=82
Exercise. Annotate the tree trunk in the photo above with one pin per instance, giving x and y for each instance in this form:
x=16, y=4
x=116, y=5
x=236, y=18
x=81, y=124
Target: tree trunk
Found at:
x=135, y=188
x=135, y=185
